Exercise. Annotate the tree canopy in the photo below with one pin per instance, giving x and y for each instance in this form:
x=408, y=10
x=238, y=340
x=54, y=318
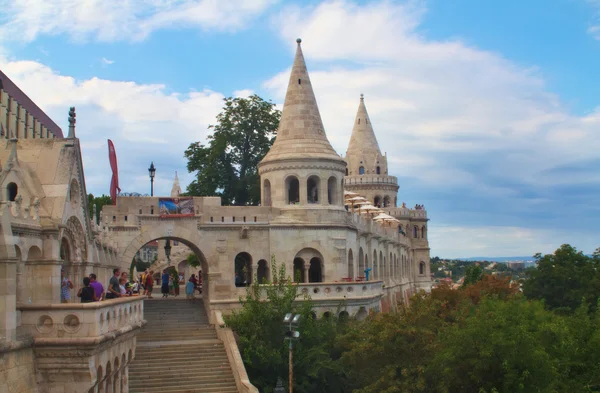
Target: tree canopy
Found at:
x=227, y=166
x=98, y=202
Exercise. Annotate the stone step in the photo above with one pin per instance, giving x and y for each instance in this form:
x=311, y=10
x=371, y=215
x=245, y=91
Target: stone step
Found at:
x=176, y=360
x=176, y=372
x=213, y=362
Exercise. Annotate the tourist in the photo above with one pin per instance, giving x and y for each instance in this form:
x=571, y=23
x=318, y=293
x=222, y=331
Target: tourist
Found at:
x=190, y=286
x=123, y=287
x=113, y=285
x=149, y=284
x=165, y=284
x=87, y=293
x=135, y=288
x=98, y=287
x=65, y=287
x=144, y=279
x=199, y=285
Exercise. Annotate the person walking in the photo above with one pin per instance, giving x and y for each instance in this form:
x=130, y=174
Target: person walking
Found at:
x=87, y=293
x=97, y=286
x=149, y=284
x=114, y=291
x=165, y=284
x=190, y=287
x=65, y=287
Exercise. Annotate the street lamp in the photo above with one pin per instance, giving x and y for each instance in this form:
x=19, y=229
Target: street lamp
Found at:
x=291, y=322
x=168, y=251
x=152, y=172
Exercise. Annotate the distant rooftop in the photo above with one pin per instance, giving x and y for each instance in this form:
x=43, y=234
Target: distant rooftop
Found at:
x=7, y=85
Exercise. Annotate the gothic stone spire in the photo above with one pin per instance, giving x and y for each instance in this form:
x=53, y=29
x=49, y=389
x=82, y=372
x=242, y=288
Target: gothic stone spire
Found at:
x=301, y=134
x=363, y=142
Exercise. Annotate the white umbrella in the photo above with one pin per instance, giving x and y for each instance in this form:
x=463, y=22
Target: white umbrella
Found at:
x=349, y=193
x=358, y=198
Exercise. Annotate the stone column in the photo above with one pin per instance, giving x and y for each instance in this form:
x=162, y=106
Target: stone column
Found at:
x=323, y=194
x=306, y=267
x=46, y=281
x=8, y=299
x=22, y=114
x=254, y=270
x=302, y=189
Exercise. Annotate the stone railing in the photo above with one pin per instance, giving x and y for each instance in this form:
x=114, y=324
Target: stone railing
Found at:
x=365, y=224
x=225, y=334
x=370, y=179
x=90, y=323
x=340, y=291
x=406, y=212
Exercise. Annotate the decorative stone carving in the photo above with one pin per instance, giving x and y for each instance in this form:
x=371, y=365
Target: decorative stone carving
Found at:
x=244, y=232
x=221, y=245
x=72, y=323
x=45, y=324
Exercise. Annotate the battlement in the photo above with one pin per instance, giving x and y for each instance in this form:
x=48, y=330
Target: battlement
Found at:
x=404, y=212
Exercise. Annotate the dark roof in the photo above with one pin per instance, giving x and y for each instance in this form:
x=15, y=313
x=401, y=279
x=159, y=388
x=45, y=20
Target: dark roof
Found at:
x=7, y=85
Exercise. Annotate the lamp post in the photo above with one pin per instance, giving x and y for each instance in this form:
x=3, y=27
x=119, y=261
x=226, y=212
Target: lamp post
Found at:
x=168, y=252
x=152, y=172
x=291, y=322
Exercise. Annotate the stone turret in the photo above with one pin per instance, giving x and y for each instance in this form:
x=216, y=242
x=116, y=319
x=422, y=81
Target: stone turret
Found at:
x=367, y=171
x=301, y=169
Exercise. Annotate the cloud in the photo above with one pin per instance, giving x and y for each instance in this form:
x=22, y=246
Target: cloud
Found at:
x=474, y=136
x=121, y=20
x=106, y=62
x=145, y=122
x=594, y=29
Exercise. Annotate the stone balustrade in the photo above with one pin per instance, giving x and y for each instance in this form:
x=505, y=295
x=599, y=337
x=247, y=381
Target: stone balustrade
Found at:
x=340, y=291
x=93, y=322
x=365, y=224
x=370, y=179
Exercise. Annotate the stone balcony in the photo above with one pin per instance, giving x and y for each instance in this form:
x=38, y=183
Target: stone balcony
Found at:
x=84, y=347
x=370, y=179
x=82, y=321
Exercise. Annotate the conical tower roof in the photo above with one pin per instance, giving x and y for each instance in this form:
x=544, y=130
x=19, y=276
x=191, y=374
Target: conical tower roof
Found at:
x=301, y=134
x=176, y=189
x=363, y=142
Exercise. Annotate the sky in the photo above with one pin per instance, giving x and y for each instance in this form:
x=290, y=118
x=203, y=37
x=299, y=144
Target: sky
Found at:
x=488, y=111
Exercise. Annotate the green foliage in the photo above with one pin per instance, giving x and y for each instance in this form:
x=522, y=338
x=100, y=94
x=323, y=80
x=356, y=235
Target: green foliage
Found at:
x=193, y=260
x=98, y=202
x=227, y=167
x=260, y=331
x=564, y=280
x=473, y=273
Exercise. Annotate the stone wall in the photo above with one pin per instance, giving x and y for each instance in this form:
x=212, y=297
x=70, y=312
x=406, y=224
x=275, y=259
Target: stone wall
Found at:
x=17, y=370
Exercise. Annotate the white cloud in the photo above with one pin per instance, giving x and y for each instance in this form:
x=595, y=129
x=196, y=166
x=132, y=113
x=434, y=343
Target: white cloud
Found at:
x=144, y=121
x=594, y=31
x=121, y=20
x=432, y=97
x=106, y=62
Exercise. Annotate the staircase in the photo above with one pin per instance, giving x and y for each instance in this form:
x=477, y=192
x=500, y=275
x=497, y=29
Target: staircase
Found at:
x=179, y=352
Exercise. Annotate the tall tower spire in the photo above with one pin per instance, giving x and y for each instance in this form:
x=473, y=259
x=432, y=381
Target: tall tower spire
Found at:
x=301, y=133
x=176, y=189
x=363, y=138
x=367, y=171
x=301, y=171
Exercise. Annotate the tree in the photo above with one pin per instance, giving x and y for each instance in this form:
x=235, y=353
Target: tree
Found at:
x=258, y=326
x=227, y=167
x=98, y=202
x=473, y=273
x=564, y=280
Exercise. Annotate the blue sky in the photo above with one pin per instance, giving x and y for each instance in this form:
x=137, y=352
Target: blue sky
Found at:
x=488, y=111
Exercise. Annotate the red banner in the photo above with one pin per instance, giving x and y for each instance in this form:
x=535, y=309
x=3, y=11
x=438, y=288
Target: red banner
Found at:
x=114, y=182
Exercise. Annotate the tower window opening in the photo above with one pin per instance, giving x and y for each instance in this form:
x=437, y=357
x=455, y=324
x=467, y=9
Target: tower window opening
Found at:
x=125, y=218
x=312, y=189
x=211, y=219
x=11, y=191
x=293, y=190
x=244, y=218
x=254, y=218
x=222, y=219
x=233, y=219
x=299, y=81
x=140, y=211
x=358, y=121
x=378, y=170
x=361, y=170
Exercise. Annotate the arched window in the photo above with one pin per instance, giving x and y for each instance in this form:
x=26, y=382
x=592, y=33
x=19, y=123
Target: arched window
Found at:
x=422, y=268
x=11, y=191
x=332, y=191
x=378, y=170
x=375, y=271
x=361, y=170
x=361, y=263
x=386, y=201
x=400, y=229
x=298, y=270
x=415, y=232
x=346, y=171
x=315, y=273
x=262, y=272
x=292, y=186
x=312, y=189
x=65, y=250
x=243, y=269
x=267, y=193
x=377, y=201
x=423, y=232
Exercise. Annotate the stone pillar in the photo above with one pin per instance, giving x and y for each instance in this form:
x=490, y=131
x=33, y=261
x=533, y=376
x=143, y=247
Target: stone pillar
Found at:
x=8, y=299
x=21, y=114
x=254, y=270
x=46, y=281
x=302, y=189
x=29, y=126
x=306, y=267
x=12, y=117
x=323, y=194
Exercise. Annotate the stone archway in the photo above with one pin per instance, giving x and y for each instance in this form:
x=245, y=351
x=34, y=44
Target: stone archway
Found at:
x=190, y=238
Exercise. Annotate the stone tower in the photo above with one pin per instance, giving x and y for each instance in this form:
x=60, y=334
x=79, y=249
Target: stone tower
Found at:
x=176, y=189
x=301, y=171
x=367, y=170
